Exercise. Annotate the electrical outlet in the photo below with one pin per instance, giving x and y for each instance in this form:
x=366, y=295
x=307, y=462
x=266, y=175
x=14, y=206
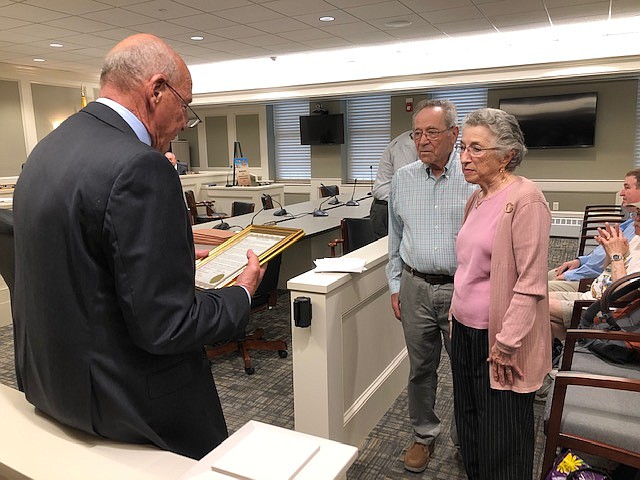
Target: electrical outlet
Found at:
x=556, y=206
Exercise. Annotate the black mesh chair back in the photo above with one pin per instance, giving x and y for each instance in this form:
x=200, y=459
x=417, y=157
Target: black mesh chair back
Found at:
x=240, y=208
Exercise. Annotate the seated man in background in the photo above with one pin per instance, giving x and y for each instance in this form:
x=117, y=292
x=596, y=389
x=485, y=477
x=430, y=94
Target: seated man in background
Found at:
x=622, y=257
x=566, y=277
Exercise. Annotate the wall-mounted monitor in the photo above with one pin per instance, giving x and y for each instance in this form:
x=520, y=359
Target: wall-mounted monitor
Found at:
x=555, y=121
x=322, y=129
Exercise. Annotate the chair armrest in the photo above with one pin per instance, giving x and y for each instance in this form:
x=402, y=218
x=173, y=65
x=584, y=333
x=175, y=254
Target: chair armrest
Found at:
x=584, y=284
x=333, y=244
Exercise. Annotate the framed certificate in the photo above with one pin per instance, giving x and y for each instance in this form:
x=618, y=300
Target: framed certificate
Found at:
x=221, y=267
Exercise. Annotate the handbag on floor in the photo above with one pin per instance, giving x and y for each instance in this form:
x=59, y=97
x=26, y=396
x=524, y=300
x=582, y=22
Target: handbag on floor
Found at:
x=569, y=466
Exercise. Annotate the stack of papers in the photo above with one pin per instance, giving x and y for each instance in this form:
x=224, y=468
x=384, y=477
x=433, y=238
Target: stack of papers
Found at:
x=340, y=264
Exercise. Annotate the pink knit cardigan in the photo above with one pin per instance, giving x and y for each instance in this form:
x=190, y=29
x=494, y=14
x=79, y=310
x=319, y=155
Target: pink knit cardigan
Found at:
x=519, y=305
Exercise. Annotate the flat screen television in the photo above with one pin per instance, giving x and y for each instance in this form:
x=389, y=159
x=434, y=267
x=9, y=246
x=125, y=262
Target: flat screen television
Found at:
x=322, y=129
x=555, y=121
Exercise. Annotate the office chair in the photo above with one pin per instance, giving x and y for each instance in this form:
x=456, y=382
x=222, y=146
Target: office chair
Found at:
x=329, y=190
x=192, y=205
x=267, y=202
x=240, y=208
x=265, y=297
x=355, y=232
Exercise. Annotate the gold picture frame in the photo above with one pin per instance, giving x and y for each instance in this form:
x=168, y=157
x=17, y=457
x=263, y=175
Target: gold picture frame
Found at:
x=230, y=257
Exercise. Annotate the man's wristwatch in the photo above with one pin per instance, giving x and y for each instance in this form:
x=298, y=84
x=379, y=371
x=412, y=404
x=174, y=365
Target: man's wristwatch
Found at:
x=616, y=258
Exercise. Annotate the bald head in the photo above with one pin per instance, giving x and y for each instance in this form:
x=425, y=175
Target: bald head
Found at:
x=136, y=59
x=146, y=76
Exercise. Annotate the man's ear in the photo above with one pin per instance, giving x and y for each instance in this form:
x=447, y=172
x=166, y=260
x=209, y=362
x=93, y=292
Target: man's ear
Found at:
x=156, y=88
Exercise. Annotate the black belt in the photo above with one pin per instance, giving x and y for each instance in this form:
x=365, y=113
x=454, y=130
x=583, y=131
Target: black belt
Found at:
x=432, y=279
x=380, y=202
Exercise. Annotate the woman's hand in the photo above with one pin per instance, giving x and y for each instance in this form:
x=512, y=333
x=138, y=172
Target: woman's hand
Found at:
x=612, y=240
x=502, y=368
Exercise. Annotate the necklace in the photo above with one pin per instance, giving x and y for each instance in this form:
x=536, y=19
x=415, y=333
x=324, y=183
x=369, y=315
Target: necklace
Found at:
x=484, y=195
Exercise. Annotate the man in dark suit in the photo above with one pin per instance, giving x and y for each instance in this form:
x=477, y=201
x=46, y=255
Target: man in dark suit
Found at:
x=109, y=327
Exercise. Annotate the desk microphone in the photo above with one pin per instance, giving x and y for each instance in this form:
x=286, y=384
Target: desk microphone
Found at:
x=318, y=212
x=222, y=225
x=281, y=211
x=352, y=202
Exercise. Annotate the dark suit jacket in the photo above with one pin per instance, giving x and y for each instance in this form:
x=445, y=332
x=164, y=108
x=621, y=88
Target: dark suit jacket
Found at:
x=109, y=326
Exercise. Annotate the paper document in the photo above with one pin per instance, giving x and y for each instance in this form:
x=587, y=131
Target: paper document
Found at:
x=340, y=264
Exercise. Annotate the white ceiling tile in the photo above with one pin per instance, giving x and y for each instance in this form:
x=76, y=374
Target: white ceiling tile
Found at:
x=204, y=21
x=379, y=10
x=305, y=34
x=116, y=34
x=119, y=17
x=8, y=23
x=35, y=30
x=165, y=29
x=250, y=14
x=353, y=3
x=79, y=24
x=70, y=7
x=420, y=6
x=215, y=5
x=278, y=25
x=333, y=42
x=350, y=28
x=237, y=32
x=291, y=8
x=506, y=7
x=29, y=13
x=464, y=27
x=87, y=40
x=163, y=9
x=520, y=19
x=265, y=40
x=369, y=37
x=460, y=14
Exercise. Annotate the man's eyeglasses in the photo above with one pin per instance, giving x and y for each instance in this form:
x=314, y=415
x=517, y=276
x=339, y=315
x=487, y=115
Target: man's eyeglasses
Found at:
x=634, y=214
x=473, y=150
x=192, y=122
x=431, y=134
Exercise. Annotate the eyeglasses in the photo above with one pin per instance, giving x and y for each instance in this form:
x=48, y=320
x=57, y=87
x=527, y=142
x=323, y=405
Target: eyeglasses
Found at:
x=473, y=150
x=192, y=122
x=431, y=134
x=634, y=214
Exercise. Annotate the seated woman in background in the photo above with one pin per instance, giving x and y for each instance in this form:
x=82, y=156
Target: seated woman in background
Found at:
x=622, y=258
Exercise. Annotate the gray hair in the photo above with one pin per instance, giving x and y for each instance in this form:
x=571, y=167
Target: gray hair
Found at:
x=505, y=127
x=450, y=112
x=128, y=67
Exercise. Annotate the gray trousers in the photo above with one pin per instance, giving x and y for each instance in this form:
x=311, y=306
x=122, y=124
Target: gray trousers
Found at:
x=425, y=320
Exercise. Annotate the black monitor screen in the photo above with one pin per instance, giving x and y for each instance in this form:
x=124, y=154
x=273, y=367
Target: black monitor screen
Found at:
x=322, y=129
x=557, y=121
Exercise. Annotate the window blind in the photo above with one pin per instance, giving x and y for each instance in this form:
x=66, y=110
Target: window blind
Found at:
x=292, y=160
x=465, y=99
x=368, y=134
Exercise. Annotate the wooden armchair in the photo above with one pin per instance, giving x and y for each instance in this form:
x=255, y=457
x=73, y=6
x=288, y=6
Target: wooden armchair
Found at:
x=355, y=233
x=596, y=216
x=593, y=408
x=265, y=297
x=193, y=206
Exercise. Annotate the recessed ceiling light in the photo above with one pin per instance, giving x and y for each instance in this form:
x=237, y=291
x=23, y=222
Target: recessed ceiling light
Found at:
x=38, y=59
x=397, y=24
x=327, y=18
x=56, y=45
x=197, y=38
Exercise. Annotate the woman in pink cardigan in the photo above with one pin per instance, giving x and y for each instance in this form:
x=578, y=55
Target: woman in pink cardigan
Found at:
x=501, y=340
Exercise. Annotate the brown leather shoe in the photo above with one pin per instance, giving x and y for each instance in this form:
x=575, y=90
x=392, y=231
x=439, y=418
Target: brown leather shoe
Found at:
x=417, y=457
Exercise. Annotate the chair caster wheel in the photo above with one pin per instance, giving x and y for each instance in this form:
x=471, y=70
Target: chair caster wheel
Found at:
x=282, y=353
x=250, y=370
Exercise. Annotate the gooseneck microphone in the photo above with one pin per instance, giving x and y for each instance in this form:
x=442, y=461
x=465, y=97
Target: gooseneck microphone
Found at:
x=371, y=179
x=281, y=211
x=318, y=212
x=228, y=184
x=352, y=202
x=332, y=191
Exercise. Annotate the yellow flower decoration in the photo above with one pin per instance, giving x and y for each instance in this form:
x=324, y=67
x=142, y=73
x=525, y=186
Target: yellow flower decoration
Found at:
x=570, y=463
